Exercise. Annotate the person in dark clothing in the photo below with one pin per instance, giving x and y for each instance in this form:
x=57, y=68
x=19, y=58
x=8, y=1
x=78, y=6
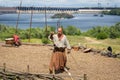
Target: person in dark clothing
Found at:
x=109, y=51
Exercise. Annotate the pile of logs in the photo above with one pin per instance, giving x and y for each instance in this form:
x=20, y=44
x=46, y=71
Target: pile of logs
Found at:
x=107, y=52
x=85, y=49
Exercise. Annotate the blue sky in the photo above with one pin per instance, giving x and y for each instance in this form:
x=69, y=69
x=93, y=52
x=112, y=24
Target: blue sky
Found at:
x=62, y=3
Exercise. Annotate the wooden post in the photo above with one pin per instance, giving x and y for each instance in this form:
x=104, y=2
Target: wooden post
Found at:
x=58, y=23
x=30, y=24
x=53, y=78
x=18, y=17
x=28, y=68
x=46, y=20
x=85, y=76
x=4, y=67
x=4, y=70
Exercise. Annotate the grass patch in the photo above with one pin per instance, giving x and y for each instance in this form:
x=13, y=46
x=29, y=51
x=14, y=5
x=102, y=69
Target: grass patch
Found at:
x=38, y=41
x=90, y=43
x=75, y=40
x=114, y=43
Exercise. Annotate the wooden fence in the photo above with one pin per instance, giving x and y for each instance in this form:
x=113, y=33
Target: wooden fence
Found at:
x=10, y=74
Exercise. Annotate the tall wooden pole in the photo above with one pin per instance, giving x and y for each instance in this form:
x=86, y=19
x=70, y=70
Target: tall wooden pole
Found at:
x=58, y=23
x=18, y=17
x=45, y=20
x=30, y=24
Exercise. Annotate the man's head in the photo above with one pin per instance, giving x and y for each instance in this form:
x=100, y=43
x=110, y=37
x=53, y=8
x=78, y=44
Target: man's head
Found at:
x=60, y=31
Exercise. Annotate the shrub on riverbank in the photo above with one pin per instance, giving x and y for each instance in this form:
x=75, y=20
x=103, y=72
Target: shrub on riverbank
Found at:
x=39, y=33
x=100, y=32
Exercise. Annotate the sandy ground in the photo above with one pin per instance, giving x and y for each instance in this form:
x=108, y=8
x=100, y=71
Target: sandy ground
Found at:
x=96, y=67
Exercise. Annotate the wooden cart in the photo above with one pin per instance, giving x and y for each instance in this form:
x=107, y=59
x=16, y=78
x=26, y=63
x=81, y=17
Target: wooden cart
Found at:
x=9, y=41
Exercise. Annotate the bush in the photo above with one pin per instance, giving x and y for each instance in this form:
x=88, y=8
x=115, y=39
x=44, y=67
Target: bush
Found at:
x=3, y=36
x=72, y=30
x=102, y=35
x=45, y=41
x=113, y=35
x=115, y=31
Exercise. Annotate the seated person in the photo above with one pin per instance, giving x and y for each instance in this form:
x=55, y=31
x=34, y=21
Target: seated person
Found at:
x=16, y=40
x=109, y=51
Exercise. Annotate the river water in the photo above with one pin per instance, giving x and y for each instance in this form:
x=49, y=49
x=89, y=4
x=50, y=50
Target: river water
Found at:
x=82, y=21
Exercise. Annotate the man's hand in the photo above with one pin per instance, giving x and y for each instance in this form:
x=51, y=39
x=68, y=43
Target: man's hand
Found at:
x=51, y=36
